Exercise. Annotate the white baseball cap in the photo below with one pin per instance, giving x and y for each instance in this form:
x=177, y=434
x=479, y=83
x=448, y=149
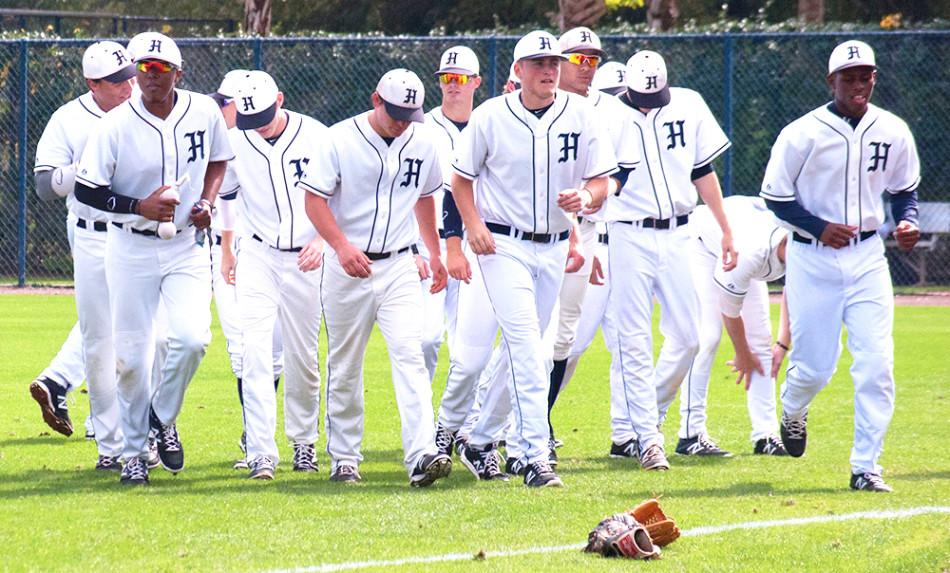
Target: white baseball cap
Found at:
x=537, y=44
x=581, y=38
x=155, y=46
x=646, y=80
x=402, y=93
x=458, y=60
x=256, y=100
x=611, y=78
x=229, y=87
x=107, y=61
x=850, y=54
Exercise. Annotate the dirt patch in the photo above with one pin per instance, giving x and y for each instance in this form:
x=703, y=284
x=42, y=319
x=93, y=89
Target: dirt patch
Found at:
x=43, y=290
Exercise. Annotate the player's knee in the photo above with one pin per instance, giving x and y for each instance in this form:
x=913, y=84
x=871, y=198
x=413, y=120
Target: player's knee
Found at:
x=193, y=342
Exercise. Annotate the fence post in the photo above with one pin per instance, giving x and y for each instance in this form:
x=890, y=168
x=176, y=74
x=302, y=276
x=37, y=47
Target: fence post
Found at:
x=21, y=163
x=727, y=86
x=493, y=57
x=258, y=54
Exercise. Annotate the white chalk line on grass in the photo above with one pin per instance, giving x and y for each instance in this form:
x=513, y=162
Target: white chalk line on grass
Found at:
x=694, y=532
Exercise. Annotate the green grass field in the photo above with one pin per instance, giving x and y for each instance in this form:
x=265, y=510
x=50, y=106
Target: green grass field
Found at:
x=59, y=514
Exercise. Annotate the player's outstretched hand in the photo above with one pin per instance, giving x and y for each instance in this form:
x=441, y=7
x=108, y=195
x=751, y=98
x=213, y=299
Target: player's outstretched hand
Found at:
x=422, y=267
x=778, y=356
x=158, y=208
x=730, y=258
x=201, y=214
x=458, y=266
x=311, y=256
x=907, y=234
x=745, y=364
x=440, y=277
x=596, y=273
x=837, y=235
x=354, y=261
x=481, y=239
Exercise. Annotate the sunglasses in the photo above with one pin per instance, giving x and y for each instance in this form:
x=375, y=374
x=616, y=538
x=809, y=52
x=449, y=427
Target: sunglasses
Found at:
x=154, y=66
x=583, y=59
x=460, y=79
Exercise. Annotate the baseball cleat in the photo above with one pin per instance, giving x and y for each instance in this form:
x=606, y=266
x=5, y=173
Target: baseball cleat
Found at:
x=108, y=464
x=153, y=460
x=170, y=452
x=516, y=466
x=628, y=449
x=552, y=454
x=444, y=439
x=654, y=458
x=794, y=434
x=52, y=400
x=769, y=446
x=90, y=429
x=305, y=458
x=540, y=474
x=135, y=472
x=262, y=467
x=556, y=442
x=241, y=464
x=701, y=445
x=482, y=462
x=869, y=482
x=430, y=468
x=345, y=473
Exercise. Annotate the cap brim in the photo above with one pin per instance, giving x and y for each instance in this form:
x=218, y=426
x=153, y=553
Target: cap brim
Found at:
x=221, y=99
x=614, y=91
x=579, y=49
x=256, y=120
x=854, y=65
x=123, y=75
x=456, y=71
x=542, y=55
x=657, y=99
x=404, y=113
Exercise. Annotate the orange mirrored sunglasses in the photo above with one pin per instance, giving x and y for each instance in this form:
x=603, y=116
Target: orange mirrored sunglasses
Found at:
x=584, y=60
x=460, y=79
x=154, y=66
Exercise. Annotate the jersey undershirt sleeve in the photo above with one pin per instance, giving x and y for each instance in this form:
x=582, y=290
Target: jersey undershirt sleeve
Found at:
x=794, y=214
x=904, y=207
x=105, y=199
x=451, y=218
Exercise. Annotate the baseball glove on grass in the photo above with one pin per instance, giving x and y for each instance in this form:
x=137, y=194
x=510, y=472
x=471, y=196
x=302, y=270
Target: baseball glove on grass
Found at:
x=661, y=528
x=620, y=535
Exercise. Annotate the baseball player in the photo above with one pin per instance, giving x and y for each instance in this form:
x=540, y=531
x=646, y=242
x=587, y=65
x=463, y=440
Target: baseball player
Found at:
x=520, y=225
x=648, y=236
x=739, y=299
x=369, y=183
x=108, y=72
x=179, y=140
x=825, y=177
x=611, y=78
x=275, y=276
x=458, y=79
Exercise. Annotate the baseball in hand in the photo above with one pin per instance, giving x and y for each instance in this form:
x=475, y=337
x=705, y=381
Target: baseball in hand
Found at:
x=167, y=229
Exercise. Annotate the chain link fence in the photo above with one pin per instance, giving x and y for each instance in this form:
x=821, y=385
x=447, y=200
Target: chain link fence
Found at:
x=754, y=83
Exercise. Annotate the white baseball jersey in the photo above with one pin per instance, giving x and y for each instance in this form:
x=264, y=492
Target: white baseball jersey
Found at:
x=756, y=236
x=63, y=141
x=613, y=114
x=265, y=178
x=676, y=139
x=153, y=152
x=446, y=135
x=837, y=172
x=568, y=145
x=372, y=187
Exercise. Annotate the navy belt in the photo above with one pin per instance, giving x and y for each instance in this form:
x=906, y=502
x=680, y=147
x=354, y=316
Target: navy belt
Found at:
x=862, y=236
x=96, y=225
x=524, y=236
x=603, y=239
x=659, y=224
x=145, y=233
x=260, y=240
x=382, y=256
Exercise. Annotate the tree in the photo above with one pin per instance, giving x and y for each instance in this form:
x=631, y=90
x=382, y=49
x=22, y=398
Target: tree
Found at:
x=662, y=14
x=575, y=13
x=257, y=16
x=812, y=11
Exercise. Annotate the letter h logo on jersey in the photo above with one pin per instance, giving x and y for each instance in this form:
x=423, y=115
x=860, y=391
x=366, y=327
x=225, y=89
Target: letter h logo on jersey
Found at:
x=879, y=158
x=568, y=146
x=298, y=167
x=676, y=132
x=196, y=145
x=413, y=169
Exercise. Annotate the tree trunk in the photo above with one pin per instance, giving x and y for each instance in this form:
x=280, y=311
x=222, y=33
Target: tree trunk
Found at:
x=662, y=14
x=811, y=11
x=574, y=13
x=257, y=15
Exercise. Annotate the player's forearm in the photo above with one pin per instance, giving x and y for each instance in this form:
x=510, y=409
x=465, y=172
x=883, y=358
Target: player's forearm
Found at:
x=784, y=326
x=709, y=189
x=451, y=218
x=425, y=217
x=794, y=214
x=464, y=193
x=44, y=187
x=318, y=211
x=904, y=207
x=598, y=191
x=214, y=176
x=105, y=199
x=736, y=330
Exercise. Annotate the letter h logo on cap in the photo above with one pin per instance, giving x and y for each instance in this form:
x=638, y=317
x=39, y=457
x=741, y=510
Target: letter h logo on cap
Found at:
x=155, y=46
x=853, y=52
x=545, y=43
x=410, y=96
